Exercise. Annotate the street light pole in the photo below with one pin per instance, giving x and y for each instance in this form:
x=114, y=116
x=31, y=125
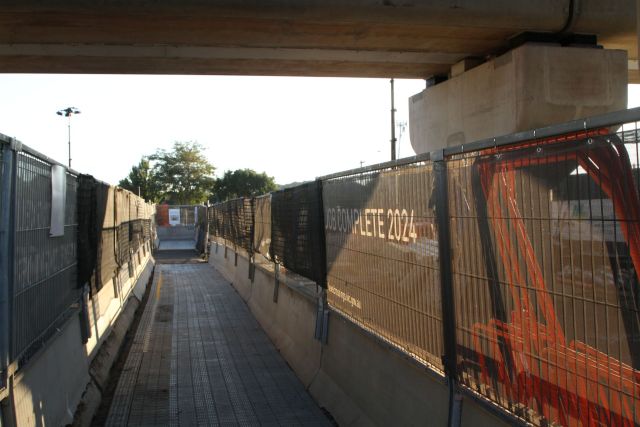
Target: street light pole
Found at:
x=68, y=112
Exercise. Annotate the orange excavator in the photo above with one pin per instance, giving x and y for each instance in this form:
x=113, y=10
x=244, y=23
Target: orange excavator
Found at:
x=527, y=353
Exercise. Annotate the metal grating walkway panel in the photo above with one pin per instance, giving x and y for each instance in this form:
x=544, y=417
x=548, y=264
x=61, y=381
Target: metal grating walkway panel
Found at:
x=200, y=358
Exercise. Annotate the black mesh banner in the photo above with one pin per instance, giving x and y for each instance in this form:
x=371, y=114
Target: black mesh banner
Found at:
x=107, y=263
x=382, y=255
x=124, y=245
x=136, y=233
x=238, y=222
x=88, y=230
x=146, y=229
x=216, y=218
x=93, y=198
x=262, y=225
x=297, y=235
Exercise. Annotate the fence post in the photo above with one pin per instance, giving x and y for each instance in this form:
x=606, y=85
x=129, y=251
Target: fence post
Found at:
x=7, y=230
x=449, y=359
x=252, y=260
x=276, y=284
x=322, y=314
x=8, y=172
x=322, y=245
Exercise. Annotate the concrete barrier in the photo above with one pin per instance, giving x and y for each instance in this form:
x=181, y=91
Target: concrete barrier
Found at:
x=359, y=378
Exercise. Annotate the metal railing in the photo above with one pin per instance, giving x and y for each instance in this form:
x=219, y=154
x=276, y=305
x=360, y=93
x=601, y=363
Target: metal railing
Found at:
x=44, y=282
x=42, y=271
x=177, y=215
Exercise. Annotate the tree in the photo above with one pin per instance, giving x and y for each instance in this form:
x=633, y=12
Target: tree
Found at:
x=141, y=180
x=184, y=173
x=242, y=183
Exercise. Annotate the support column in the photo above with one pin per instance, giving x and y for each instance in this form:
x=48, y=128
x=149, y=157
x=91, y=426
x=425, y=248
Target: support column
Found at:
x=529, y=87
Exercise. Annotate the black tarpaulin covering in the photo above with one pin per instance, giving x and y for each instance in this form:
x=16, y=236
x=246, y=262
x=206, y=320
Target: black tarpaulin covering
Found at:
x=262, y=225
x=297, y=234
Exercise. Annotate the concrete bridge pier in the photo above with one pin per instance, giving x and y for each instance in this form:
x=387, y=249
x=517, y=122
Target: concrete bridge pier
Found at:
x=532, y=86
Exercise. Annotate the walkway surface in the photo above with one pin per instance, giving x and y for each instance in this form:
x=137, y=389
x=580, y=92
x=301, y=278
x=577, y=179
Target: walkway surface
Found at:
x=200, y=358
x=177, y=245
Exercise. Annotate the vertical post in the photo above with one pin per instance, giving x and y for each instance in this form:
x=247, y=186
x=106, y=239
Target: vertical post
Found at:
x=252, y=257
x=393, y=121
x=69, y=132
x=322, y=246
x=276, y=284
x=7, y=229
x=322, y=314
x=207, y=243
x=449, y=359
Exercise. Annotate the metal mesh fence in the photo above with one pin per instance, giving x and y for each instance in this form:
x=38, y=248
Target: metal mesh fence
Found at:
x=233, y=220
x=124, y=244
x=216, y=220
x=513, y=268
x=62, y=230
x=176, y=215
x=547, y=319
x=45, y=270
x=297, y=237
x=136, y=233
x=113, y=224
x=187, y=215
x=146, y=229
x=382, y=256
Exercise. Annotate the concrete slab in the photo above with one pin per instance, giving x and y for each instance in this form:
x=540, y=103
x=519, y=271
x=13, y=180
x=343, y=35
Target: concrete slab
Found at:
x=200, y=358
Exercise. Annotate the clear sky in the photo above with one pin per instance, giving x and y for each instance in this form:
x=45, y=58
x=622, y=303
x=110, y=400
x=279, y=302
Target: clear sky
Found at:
x=294, y=129
x=291, y=128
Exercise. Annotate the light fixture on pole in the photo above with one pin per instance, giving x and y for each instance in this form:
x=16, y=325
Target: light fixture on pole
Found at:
x=68, y=112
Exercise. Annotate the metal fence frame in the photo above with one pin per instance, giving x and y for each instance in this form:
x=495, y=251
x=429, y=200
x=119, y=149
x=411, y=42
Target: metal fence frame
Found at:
x=7, y=156
x=10, y=352
x=23, y=332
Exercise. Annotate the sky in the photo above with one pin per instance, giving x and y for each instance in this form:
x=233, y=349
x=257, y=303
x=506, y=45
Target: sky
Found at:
x=294, y=129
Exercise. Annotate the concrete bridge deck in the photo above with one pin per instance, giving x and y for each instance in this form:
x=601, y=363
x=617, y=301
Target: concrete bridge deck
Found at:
x=200, y=358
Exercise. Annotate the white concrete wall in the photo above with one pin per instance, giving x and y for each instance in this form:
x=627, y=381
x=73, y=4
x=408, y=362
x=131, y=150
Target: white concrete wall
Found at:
x=48, y=389
x=357, y=377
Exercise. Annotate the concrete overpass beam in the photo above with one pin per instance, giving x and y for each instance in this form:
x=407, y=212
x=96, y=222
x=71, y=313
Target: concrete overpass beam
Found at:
x=308, y=34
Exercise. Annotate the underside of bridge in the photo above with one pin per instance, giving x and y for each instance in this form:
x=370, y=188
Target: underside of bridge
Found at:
x=356, y=38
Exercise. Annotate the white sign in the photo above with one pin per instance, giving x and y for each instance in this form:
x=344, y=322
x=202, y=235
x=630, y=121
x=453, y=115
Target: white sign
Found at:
x=58, y=200
x=174, y=216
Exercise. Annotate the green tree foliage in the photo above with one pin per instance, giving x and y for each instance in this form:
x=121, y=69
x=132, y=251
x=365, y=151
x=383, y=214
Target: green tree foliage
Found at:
x=142, y=179
x=184, y=174
x=242, y=183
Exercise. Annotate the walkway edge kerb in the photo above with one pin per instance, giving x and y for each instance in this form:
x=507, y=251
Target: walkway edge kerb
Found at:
x=108, y=354
x=121, y=402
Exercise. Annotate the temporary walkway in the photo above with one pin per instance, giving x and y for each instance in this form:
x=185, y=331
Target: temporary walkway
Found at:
x=200, y=358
